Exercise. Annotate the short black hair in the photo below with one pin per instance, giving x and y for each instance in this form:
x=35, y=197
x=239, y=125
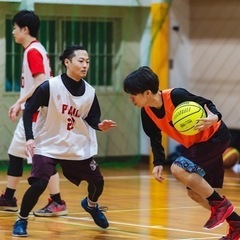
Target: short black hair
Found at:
x=26, y=18
x=141, y=80
x=69, y=52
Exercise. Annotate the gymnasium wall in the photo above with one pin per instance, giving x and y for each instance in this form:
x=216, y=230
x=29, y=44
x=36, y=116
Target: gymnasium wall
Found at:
x=132, y=50
x=203, y=57
x=205, y=50
x=179, y=49
x=215, y=40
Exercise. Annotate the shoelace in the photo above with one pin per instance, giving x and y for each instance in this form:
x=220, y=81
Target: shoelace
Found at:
x=103, y=208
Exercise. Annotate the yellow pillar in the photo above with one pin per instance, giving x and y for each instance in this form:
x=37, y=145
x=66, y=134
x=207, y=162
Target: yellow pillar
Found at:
x=160, y=42
x=159, y=64
x=159, y=61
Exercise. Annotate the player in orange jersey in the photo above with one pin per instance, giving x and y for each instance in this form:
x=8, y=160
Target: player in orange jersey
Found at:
x=200, y=166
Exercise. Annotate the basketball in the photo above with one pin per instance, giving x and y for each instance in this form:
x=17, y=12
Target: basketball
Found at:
x=230, y=157
x=185, y=117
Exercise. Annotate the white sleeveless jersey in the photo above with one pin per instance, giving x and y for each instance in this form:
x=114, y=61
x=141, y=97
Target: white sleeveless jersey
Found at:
x=65, y=134
x=27, y=80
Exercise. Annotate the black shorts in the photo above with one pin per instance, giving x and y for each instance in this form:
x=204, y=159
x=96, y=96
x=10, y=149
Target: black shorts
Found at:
x=75, y=171
x=208, y=156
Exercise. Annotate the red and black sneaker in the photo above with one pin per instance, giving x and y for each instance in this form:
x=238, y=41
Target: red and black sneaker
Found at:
x=234, y=231
x=52, y=209
x=8, y=204
x=220, y=211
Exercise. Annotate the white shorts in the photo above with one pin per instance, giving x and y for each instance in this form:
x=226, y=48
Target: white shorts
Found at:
x=18, y=144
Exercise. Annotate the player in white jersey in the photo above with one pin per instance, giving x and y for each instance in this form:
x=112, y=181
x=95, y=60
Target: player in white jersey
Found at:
x=35, y=70
x=67, y=138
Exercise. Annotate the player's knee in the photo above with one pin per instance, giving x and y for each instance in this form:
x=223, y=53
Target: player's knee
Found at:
x=15, y=167
x=39, y=185
x=175, y=170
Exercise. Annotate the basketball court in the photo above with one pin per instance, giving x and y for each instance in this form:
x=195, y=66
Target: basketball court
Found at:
x=139, y=208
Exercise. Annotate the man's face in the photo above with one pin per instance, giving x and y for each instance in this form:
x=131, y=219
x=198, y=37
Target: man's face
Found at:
x=140, y=99
x=18, y=34
x=78, y=66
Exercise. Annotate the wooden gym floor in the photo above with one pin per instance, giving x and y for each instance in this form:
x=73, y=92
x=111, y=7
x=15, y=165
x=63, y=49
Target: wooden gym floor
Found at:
x=139, y=208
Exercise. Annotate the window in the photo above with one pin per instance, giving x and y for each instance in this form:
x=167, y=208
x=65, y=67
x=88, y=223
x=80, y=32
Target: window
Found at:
x=48, y=38
x=96, y=35
x=13, y=61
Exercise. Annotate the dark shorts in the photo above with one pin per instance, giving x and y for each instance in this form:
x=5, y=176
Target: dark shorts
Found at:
x=75, y=171
x=208, y=156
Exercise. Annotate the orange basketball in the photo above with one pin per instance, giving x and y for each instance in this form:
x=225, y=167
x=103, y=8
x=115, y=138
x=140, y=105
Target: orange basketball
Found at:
x=230, y=157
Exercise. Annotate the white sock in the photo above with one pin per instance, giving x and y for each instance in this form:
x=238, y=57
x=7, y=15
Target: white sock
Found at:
x=91, y=204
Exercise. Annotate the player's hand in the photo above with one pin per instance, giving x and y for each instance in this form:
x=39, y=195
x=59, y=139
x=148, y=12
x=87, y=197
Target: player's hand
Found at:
x=157, y=173
x=106, y=125
x=30, y=148
x=207, y=122
x=14, y=111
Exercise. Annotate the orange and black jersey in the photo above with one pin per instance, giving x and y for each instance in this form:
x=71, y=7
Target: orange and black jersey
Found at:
x=171, y=98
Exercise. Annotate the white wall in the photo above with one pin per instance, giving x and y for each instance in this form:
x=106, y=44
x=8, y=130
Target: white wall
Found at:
x=205, y=53
x=215, y=51
x=179, y=54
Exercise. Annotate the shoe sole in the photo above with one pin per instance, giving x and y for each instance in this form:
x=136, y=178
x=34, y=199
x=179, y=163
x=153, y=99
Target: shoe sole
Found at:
x=9, y=209
x=16, y=235
x=62, y=213
x=227, y=214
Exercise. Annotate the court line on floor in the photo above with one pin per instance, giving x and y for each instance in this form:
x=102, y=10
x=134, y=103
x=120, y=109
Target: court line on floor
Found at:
x=147, y=226
x=89, y=219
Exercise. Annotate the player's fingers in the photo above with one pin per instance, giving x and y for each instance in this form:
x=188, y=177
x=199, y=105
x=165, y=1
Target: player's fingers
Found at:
x=202, y=120
x=155, y=175
x=10, y=114
x=13, y=115
x=27, y=153
x=160, y=179
x=30, y=150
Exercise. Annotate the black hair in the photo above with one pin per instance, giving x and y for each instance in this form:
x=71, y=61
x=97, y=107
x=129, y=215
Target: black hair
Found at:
x=69, y=52
x=141, y=80
x=26, y=18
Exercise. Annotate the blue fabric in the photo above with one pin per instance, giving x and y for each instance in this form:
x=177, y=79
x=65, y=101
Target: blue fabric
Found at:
x=189, y=166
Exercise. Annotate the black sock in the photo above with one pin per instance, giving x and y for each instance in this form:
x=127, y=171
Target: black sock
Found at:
x=9, y=193
x=215, y=197
x=56, y=198
x=233, y=217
